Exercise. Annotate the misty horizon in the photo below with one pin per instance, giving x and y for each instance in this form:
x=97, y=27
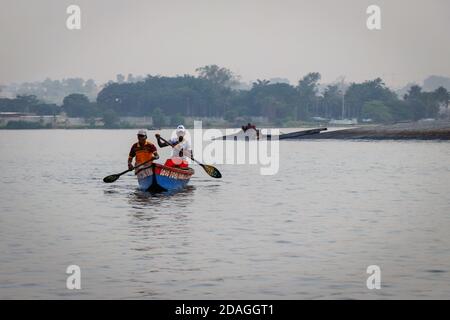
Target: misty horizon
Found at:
x=255, y=40
x=278, y=79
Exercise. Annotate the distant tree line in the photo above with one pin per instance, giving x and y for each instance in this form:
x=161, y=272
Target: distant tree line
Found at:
x=212, y=94
x=28, y=104
x=54, y=91
x=215, y=92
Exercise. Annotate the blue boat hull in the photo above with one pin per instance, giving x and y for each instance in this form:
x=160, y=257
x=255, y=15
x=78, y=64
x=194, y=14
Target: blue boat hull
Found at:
x=158, y=178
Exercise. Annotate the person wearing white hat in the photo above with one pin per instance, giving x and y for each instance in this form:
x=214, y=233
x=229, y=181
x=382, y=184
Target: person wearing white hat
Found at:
x=181, y=151
x=142, y=150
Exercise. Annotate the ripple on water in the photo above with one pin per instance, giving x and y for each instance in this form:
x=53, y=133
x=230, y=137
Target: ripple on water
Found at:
x=310, y=232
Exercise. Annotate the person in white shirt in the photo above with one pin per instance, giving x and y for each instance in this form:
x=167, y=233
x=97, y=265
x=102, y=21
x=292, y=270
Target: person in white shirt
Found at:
x=181, y=151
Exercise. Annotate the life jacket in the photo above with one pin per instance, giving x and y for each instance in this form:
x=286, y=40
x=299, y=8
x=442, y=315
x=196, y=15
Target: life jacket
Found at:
x=142, y=153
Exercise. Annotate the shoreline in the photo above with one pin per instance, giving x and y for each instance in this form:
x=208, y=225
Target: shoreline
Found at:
x=428, y=130
x=435, y=130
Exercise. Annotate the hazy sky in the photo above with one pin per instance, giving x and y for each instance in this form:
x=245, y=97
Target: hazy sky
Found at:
x=256, y=39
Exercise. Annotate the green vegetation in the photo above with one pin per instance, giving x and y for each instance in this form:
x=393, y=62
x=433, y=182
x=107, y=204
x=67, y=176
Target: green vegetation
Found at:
x=26, y=125
x=28, y=104
x=215, y=92
x=111, y=119
x=159, y=119
x=78, y=105
x=377, y=111
x=211, y=94
x=176, y=119
x=54, y=91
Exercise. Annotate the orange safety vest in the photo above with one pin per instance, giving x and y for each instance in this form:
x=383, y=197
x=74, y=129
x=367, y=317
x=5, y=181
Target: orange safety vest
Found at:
x=142, y=153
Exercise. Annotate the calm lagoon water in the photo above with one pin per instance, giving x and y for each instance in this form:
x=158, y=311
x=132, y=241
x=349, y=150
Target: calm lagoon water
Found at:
x=311, y=231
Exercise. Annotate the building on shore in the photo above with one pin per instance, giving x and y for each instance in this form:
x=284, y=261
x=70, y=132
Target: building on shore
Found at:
x=73, y=123
x=63, y=122
x=10, y=119
x=343, y=122
x=138, y=122
x=44, y=121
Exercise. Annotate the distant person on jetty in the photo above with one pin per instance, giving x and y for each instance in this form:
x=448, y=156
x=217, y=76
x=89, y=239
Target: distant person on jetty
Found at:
x=142, y=150
x=251, y=126
x=181, y=149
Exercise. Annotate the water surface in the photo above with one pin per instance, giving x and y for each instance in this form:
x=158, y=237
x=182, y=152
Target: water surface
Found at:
x=334, y=208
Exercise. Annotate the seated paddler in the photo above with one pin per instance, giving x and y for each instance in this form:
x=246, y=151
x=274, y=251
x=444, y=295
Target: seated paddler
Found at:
x=181, y=150
x=143, y=151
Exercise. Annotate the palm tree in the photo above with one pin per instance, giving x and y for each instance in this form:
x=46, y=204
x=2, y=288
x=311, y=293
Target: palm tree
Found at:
x=261, y=83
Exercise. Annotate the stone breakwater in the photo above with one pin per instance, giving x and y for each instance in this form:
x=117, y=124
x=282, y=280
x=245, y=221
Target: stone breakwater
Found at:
x=426, y=130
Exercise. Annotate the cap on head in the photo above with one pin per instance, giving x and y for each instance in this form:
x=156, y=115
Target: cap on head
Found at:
x=180, y=130
x=142, y=133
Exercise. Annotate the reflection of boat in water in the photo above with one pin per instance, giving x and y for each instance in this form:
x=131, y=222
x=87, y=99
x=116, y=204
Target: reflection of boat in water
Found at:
x=158, y=178
x=255, y=134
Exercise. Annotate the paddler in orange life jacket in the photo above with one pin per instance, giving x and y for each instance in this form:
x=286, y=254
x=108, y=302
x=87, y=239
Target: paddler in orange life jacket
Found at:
x=181, y=151
x=142, y=150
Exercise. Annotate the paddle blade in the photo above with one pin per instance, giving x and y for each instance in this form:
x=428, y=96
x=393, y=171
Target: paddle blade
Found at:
x=112, y=178
x=212, y=171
